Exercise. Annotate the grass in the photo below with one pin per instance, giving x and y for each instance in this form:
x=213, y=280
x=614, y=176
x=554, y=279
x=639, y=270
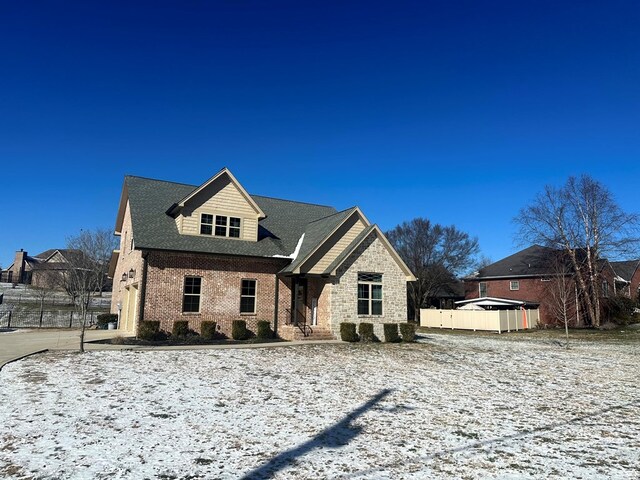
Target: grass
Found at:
x=629, y=333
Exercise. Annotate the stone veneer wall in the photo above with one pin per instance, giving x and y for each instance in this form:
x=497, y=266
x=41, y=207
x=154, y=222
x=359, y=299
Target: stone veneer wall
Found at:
x=371, y=257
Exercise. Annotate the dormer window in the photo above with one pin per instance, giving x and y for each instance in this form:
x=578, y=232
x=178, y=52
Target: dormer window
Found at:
x=227, y=226
x=206, y=224
x=219, y=225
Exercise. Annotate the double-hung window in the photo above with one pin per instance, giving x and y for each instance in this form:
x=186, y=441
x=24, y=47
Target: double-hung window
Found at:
x=191, y=295
x=206, y=224
x=248, y=296
x=514, y=285
x=482, y=289
x=227, y=226
x=369, y=294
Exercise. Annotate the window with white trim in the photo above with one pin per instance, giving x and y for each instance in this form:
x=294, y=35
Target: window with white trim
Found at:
x=227, y=226
x=369, y=294
x=248, y=296
x=482, y=289
x=514, y=285
x=605, y=288
x=191, y=294
x=206, y=224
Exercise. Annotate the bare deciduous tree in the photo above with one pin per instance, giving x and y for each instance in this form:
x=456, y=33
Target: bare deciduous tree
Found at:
x=87, y=272
x=582, y=219
x=560, y=292
x=435, y=254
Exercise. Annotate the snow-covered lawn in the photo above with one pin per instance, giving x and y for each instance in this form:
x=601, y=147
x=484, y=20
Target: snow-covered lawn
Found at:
x=452, y=407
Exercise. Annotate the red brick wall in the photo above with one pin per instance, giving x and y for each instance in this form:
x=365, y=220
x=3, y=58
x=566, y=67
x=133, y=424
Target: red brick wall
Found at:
x=635, y=286
x=220, y=295
x=531, y=289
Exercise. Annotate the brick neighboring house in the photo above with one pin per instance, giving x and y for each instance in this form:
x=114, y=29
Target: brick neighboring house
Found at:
x=627, y=278
x=45, y=270
x=529, y=275
x=213, y=252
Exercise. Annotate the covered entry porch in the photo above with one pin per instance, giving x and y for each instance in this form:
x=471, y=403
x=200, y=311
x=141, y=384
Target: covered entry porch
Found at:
x=307, y=313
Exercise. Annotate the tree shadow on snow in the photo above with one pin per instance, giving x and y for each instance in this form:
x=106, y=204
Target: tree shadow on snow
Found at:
x=337, y=435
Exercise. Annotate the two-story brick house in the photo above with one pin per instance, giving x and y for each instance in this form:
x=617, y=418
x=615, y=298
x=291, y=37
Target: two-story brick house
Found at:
x=213, y=252
x=536, y=274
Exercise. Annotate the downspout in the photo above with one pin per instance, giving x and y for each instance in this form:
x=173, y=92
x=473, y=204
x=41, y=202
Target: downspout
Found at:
x=143, y=287
x=275, y=308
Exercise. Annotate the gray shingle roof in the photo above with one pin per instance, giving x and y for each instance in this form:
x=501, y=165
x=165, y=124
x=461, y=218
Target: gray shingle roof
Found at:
x=278, y=233
x=314, y=234
x=46, y=254
x=625, y=269
x=534, y=260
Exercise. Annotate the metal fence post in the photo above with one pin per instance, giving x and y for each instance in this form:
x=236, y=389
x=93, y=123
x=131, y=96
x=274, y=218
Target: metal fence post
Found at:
x=71, y=319
x=9, y=321
x=41, y=314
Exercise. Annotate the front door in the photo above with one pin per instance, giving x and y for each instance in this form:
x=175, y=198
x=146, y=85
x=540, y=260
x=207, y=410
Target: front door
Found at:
x=299, y=301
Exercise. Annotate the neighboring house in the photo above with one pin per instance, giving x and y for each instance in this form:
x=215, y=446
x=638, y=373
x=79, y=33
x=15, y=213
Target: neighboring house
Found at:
x=627, y=278
x=215, y=253
x=447, y=295
x=538, y=275
x=44, y=270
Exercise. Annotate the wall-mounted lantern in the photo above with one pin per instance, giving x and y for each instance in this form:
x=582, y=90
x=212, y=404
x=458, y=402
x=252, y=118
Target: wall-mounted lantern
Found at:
x=132, y=273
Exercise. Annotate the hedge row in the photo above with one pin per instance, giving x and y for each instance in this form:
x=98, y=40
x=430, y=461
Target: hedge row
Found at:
x=365, y=332
x=150, y=330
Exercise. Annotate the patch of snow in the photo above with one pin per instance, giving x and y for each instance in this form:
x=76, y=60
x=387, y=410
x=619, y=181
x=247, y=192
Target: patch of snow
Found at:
x=456, y=407
x=295, y=253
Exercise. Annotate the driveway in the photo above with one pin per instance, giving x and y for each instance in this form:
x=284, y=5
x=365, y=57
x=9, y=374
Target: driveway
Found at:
x=18, y=343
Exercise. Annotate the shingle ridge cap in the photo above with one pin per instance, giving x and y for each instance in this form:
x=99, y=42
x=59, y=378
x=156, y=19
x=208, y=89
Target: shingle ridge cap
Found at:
x=291, y=201
x=332, y=215
x=251, y=194
x=160, y=180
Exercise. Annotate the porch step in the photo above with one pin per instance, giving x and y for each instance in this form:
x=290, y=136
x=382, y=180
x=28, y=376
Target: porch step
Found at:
x=319, y=334
x=294, y=333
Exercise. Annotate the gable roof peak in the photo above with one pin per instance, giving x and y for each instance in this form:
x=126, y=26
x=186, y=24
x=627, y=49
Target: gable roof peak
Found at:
x=223, y=172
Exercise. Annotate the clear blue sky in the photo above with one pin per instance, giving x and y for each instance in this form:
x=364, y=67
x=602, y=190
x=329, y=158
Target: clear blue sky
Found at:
x=456, y=111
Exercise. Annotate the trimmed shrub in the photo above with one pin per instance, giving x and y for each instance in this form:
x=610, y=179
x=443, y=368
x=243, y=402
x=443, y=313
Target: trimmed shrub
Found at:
x=180, y=328
x=619, y=309
x=239, y=330
x=264, y=329
x=348, y=332
x=149, y=330
x=391, y=333
x=365, y=330
x=104, y=319
x=208, y=330
x=408, y=332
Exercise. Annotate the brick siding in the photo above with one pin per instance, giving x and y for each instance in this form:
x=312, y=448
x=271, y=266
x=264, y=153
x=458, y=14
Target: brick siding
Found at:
x=220, y=290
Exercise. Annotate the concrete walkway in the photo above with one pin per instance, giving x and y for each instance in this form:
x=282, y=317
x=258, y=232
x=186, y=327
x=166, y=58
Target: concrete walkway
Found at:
x=20, y=343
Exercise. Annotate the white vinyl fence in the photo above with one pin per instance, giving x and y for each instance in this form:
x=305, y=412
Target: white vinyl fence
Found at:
x=492, y=320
